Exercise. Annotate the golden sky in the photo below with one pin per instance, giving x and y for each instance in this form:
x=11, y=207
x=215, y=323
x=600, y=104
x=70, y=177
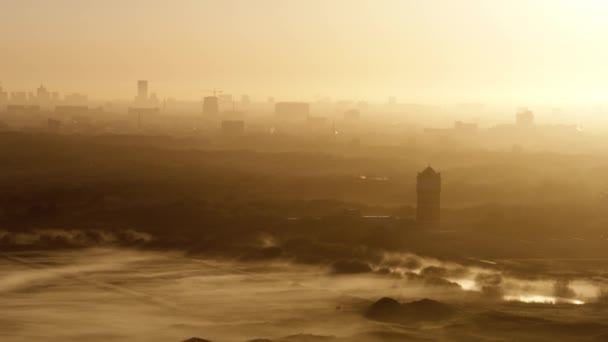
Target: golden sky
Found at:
x=549, y=51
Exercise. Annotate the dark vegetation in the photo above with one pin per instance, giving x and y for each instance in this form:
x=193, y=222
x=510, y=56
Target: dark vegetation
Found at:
x=190, y=195
x=389, y=310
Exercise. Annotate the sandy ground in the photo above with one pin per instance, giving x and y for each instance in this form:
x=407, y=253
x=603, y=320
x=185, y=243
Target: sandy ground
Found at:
x=127, y=295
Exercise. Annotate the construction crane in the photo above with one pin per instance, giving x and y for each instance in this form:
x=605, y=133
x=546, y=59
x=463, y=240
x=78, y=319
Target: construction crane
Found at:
x=215, y=92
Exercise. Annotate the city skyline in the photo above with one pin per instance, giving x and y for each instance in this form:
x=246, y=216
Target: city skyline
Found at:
x=536, y=51
x=303, y=170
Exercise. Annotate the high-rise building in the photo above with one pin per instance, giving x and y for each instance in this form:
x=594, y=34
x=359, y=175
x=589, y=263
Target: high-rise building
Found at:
x=428, y=191
x=42, y=94
x=154, y=101
x=524, y=118
x=142, y=90
x=140, y=115
x=3, y=96
x=465, y=127
x=22, y=109
x=292, y=110
x=226, y=101
x=225, y=98
x=352, y=115
x=211, y=107
x=18, y=97
x=76, y=99
x=245, y=100
x=317, y=124
x=71, y=110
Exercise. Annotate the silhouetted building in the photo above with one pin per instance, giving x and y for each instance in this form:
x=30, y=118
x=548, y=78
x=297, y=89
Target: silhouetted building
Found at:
x=22, y=109
x=153, y=100
x=428, y=190
x=352, y=115
x=225, y=98
x=524, y=118
x=233, y=127
x=43, y=96
x=292, y=110
x=81, y=121
x=142, y=113
x=142, y=90
x=245, y=100
x=71, y=110
x=211, y=106
x=317, y=124
x=19, y=97
x=137, y=110
x=225, y=101
x=465, y=127
x=233, y=115
x=3, y=96
x=76, y=99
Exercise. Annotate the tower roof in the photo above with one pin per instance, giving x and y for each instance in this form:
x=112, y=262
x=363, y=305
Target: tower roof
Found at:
x=428, y=172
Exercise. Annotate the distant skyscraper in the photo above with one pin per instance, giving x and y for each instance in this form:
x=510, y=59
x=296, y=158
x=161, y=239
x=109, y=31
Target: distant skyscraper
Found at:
x=428, y=190
x=76, y=99
x=245, y=100
x=19, y=97
x=3, y=96
x=524, y=118
x=211, y=106
x=153, y=100
x=42, y=94
x=140, y=115
x=465, y=127
x=352, y=115
x=226, y=101
x=142, y=90
x=292, y=110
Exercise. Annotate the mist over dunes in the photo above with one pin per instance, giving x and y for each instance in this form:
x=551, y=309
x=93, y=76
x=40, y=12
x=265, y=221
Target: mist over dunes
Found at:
x=303, y=170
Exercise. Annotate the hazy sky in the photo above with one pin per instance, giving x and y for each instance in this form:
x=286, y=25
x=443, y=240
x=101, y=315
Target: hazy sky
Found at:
x=462, y=50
